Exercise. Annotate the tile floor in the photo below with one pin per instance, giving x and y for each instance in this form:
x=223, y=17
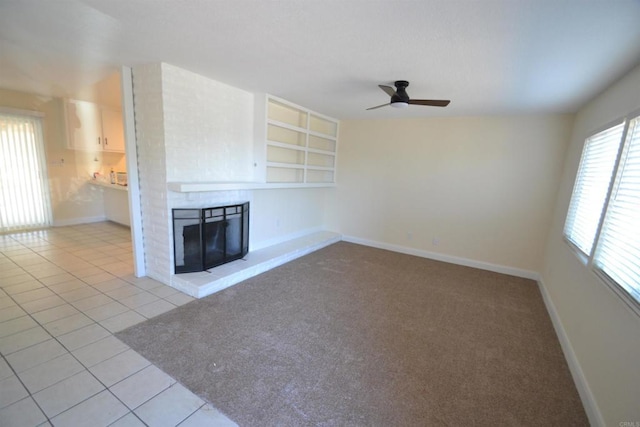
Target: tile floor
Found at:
x=64, y=291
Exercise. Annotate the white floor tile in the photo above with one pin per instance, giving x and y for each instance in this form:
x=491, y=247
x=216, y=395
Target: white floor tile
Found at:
x=68, y=286
x=99, y=410
x=179, y=299
x=11, y=391
x=19, y=288
x=119, y=367
x=145, y=283
x=42, y=304
x=140, y=299
x=68, y=297
x=35, y=355
x=163, y=291
x=83, y=336
x=155, y=308
x=7, y=302
x=32, y=295
x=129, y=420
x=24, y=339
x=208, y=416
x=55, y=313
x=50, y=372
x=106, y=311
x=80, y=293
x=67, y=393
x=19, y=324
x=110, y=285
x=68, y=324
x=122, y=321
x=100, y=351
x=124, y=292
x=20, y=277
x=92, y=302
x=45, y=271
x=11, y=312
x=98, y=278
x=83, y=269
x=22, y=413
x=5, y=370
x=58, y=278
x=142, y=386
x=170, y=407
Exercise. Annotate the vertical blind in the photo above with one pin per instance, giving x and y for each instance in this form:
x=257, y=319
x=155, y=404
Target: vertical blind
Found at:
x=618, y=253
x=591, y=187
x=24, y=193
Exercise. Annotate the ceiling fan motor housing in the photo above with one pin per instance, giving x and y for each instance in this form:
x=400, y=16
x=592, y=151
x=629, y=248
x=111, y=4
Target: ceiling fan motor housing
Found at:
x=401, y=93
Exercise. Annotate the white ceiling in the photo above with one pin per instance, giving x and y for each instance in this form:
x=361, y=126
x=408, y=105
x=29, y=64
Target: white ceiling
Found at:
x=487, y=56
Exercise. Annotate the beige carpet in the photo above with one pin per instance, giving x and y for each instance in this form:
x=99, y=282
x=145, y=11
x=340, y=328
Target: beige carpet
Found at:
x=356, y=336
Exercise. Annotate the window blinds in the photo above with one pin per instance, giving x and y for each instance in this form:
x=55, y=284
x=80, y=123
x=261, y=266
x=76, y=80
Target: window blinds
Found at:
x=618, y=252
x=591, y=187
x=24, y=194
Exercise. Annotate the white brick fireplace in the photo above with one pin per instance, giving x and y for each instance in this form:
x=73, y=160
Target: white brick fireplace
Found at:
x=193, y=129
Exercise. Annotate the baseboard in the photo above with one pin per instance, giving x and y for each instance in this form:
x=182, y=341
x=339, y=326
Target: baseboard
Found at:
x=281, y=239
x=527, y=274
x=588, y=400
x=76, y=221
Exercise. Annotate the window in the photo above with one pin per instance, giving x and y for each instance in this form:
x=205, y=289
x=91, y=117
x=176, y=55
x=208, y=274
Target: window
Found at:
x=603, y=221
x=24, y=195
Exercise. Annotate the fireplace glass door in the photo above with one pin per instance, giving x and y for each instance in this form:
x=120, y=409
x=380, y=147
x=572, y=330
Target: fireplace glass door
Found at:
x=206, y=238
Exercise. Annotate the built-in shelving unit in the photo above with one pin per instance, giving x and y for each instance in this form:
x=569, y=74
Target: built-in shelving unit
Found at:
x=301, y=145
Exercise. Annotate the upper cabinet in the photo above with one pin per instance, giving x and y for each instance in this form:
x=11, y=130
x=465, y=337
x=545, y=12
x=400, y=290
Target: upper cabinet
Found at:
x=92, y=127
x=112, y=130
x=301, y=145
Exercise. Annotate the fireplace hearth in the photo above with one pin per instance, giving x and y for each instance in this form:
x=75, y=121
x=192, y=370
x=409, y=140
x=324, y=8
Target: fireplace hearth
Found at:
x=209, y=237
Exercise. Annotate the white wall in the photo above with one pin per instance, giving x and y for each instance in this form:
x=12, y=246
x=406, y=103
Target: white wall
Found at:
x=482, y=187
x=278, y=215
x=602, y=330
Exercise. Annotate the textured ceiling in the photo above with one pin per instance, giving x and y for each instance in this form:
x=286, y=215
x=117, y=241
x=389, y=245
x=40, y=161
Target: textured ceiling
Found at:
x=488, y=57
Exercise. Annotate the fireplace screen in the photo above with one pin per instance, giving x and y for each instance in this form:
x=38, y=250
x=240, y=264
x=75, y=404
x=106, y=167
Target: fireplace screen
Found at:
x=206, y=238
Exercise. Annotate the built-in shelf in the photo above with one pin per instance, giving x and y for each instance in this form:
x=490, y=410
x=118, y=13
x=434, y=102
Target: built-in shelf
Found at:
x=193, y=187
x=301, y=145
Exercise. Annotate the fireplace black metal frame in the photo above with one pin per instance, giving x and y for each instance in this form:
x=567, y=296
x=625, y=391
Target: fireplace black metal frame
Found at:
x=202, y=240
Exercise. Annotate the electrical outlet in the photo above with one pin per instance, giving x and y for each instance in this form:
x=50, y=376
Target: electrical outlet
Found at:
x=409, y=236
x=435, y=241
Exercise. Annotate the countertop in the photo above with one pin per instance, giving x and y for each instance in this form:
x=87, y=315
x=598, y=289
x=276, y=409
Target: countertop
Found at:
x=104, y=184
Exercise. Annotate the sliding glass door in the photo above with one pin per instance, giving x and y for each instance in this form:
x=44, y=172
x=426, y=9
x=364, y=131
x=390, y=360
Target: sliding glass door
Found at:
x=24, y=193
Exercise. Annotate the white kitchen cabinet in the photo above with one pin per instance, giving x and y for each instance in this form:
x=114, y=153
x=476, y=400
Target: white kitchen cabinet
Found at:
x=112, y=130
x=92, y=127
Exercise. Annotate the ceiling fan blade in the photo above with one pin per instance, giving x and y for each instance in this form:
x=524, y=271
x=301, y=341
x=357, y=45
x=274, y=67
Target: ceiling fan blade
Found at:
x=379, y=106
x=430, y=102
x=388, y=90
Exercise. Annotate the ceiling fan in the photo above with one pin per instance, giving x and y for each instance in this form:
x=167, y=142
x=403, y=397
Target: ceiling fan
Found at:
x=400, y=98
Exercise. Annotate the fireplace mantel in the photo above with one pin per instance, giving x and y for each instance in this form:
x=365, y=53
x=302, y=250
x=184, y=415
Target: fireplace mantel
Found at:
x=192, y=187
